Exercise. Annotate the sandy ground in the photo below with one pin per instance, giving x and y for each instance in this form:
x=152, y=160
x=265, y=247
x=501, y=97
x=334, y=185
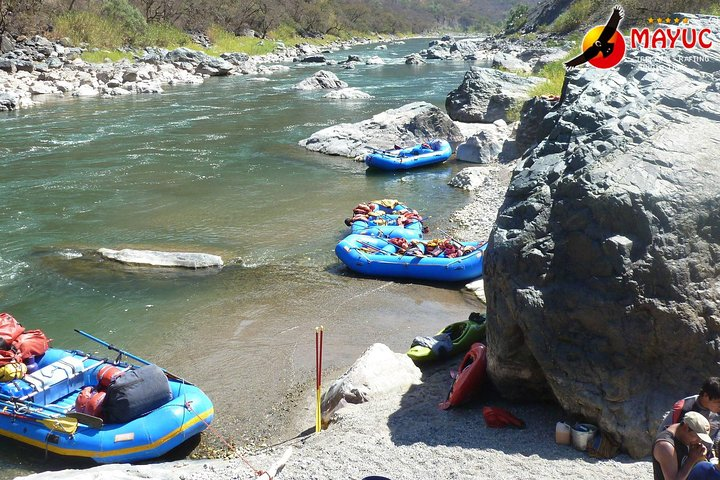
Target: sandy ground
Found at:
x=402, y=434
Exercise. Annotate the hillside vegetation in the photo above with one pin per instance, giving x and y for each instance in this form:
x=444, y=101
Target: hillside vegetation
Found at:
x=138, y=22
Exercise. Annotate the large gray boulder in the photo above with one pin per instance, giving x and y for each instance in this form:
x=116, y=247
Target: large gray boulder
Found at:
x=486, y=145
x=486, y=94
x=377, y=373
x=409, y=124
x=603, y=271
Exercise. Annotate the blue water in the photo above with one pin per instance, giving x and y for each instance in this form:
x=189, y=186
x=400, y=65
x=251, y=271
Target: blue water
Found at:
x=215, y=168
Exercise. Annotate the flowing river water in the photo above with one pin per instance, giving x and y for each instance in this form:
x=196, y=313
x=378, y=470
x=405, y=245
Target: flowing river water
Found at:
x=216, y=168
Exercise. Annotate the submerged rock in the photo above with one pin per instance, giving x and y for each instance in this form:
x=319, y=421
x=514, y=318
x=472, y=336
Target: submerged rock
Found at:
x=602, y=272
x=347, y=94
x=162, y=259
x=409, y=124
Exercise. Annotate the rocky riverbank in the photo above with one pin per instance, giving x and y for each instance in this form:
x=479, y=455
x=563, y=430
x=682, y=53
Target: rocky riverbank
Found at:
x=34, y=68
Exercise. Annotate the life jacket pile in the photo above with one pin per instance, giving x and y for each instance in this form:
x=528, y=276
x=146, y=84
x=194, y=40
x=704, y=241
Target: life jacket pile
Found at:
x=91, y=399
x=18, y=347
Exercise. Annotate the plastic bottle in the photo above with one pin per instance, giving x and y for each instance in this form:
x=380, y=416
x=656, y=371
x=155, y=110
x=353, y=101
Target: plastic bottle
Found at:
x=562, y=433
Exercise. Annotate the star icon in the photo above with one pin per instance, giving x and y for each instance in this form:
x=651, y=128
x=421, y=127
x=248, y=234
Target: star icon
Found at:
x=667, y=20
x=685, y=20
x=651, y=20
x=659, y=20
x=677, y=20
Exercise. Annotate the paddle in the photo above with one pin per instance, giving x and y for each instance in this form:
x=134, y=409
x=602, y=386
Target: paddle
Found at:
x=376, y=249
x=129, y=355
x=22, y=409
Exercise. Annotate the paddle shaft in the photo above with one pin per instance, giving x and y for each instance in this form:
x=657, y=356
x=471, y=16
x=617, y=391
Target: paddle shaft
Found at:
x=377, y=249
x=127, y=354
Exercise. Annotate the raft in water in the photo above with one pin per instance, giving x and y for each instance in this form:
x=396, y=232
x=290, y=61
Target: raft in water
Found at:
x=420, y=155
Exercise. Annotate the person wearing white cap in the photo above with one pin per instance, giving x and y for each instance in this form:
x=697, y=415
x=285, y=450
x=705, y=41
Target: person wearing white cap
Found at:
x=679, y=447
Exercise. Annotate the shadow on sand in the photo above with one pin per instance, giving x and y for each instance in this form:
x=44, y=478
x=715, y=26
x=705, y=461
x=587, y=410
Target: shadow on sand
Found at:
x=420, y=420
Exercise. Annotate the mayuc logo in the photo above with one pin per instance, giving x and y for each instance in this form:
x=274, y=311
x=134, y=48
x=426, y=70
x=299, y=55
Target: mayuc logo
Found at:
x=603, y=46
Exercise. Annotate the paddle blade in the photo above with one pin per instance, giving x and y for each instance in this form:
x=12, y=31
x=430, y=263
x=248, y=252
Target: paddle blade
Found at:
x=85, y=419
x=60, y=424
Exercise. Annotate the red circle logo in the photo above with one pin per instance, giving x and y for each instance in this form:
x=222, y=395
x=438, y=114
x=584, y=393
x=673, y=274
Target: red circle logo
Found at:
x=611, y=57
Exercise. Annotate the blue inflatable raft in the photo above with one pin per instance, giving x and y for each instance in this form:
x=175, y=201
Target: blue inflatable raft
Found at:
x=436, y=151
x=379, y=257
x=39, y=410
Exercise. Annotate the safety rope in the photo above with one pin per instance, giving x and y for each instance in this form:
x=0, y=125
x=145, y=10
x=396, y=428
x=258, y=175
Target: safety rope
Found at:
x=227, y=444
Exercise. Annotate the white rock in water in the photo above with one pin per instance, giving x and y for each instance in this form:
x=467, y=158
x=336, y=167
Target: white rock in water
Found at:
x=379, y=371
x=347, y=93
x=162, y=259
x=85, y=91
x=322, y=79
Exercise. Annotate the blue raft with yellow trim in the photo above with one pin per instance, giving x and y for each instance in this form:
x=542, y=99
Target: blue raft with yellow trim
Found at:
x=40, y=410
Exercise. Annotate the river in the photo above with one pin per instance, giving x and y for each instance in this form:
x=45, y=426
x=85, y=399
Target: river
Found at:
x=216, y=168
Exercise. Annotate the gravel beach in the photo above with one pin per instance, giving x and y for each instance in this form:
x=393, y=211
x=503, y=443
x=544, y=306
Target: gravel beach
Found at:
x=401, y=434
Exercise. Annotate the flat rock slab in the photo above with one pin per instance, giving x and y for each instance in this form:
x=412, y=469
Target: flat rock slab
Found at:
x=162, y=259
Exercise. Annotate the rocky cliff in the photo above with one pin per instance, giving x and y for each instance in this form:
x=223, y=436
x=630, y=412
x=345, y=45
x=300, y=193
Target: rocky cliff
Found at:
x=603, y=272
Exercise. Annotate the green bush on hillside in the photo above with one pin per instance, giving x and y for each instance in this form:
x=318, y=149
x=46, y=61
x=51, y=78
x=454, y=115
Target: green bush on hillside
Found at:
x=122, y=12
x=516, y=19
x=165, y=36
x=571, y=19
x=224, y=41
x=87, y=27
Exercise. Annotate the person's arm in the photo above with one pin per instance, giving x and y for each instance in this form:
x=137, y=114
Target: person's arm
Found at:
x=665, y=454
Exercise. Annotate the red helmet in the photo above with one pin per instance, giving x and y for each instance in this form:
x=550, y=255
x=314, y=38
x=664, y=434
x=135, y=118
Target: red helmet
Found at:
x=107, y=374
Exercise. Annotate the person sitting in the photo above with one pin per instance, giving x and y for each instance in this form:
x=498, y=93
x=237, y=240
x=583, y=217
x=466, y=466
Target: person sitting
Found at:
x=704, y=471
x=707, y=403
x=679, y=447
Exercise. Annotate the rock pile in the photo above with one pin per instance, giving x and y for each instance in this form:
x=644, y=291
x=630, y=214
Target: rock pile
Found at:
x=37, y=66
